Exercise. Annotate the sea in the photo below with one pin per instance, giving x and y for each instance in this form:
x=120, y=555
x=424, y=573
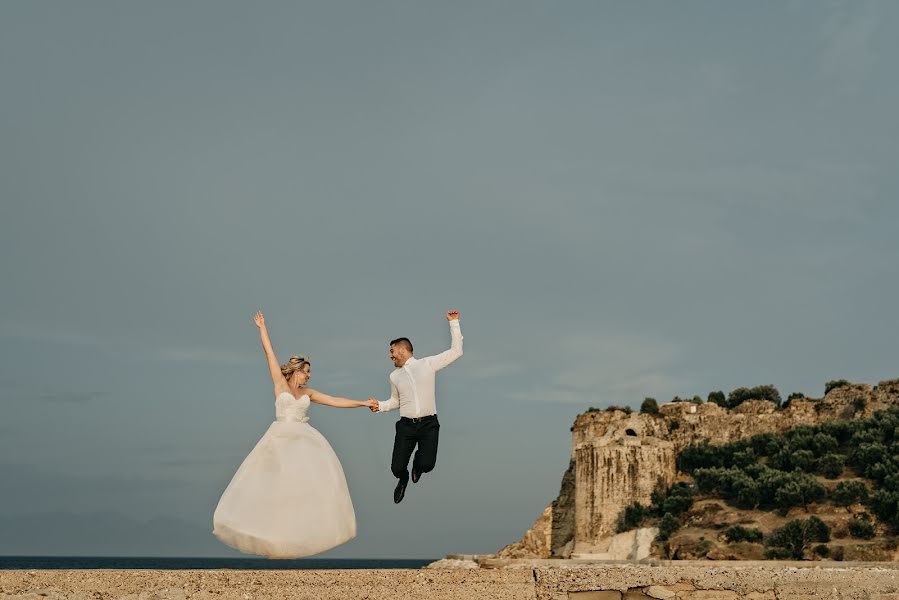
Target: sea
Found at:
x=173, y=563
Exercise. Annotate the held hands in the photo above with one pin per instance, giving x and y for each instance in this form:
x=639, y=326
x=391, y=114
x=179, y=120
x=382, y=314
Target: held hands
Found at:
x=373, y=405
x=452, y=315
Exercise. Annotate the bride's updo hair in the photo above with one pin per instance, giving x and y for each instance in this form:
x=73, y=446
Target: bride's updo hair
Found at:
x=294, y=363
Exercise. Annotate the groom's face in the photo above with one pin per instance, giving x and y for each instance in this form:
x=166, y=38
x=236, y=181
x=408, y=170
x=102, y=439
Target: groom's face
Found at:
x=399, y=355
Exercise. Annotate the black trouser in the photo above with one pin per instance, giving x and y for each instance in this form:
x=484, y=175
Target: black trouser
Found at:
x=409, y=432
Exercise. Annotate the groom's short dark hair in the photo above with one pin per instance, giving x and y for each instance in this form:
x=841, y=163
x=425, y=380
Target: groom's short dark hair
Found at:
x=404, y=342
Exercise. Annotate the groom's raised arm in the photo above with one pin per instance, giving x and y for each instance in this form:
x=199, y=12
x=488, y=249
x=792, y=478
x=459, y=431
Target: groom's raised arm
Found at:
x=444, y=359
x=393, y=403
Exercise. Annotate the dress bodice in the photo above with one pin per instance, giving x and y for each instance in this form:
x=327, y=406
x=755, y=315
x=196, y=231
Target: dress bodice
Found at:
x=290, y=408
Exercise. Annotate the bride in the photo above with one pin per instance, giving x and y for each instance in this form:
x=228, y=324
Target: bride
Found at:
x=289, y=497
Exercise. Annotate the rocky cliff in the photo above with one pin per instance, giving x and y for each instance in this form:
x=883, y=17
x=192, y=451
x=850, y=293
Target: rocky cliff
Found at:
x=619, y=458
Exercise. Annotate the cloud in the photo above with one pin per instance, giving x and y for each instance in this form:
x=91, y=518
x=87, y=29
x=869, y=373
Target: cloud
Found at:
x=848, y=33
x=609, y=368
x=203, y=355
x=481, y=370
x=172, y=353
x=53, y=335
x=71, y=397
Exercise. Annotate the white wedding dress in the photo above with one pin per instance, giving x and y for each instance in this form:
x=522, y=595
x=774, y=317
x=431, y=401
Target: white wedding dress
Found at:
x=289, y=498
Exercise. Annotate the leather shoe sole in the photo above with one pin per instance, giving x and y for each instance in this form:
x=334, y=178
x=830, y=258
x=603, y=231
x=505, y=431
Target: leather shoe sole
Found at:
x=398, y=492
x=415, y=476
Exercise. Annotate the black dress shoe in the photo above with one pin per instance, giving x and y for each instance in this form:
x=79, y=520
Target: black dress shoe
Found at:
x=415, y=475
x=399, y=491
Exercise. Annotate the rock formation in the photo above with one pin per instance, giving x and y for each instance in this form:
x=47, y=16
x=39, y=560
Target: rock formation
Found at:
x=619, y=458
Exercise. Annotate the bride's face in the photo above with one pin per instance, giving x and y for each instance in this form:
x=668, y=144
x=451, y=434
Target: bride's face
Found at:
x=300, y=378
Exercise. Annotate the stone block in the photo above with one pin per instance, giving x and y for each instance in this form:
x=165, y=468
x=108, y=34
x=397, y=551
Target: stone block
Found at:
x=710, y=595
x=606, y=595
x=662, y=593
x=770, y=595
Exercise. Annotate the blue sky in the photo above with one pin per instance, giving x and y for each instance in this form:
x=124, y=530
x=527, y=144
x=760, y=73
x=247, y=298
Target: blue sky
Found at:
x=623, y=199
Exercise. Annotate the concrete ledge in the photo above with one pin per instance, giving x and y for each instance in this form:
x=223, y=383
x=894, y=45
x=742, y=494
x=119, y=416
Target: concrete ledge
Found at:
x=402, y=584
x=693, y=581
x=711, y=581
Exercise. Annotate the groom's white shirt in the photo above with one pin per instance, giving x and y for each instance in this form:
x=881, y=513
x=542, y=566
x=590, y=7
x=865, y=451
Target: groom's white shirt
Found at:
x=412, y=385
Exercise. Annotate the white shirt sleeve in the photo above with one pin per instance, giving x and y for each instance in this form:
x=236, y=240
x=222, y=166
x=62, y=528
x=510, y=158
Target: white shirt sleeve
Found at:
x=393, y=403
x=445, y=359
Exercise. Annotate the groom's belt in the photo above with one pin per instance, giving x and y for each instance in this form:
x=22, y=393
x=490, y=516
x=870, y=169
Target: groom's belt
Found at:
x=418, y=419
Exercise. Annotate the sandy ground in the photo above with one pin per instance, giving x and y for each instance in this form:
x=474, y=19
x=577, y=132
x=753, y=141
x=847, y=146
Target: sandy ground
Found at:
x=706, y=581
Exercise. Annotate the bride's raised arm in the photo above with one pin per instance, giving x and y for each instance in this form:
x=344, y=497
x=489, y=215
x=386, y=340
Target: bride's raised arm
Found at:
x=338, y=402
x=274, y=366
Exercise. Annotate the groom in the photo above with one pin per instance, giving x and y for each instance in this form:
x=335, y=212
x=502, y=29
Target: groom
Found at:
x=412, y=391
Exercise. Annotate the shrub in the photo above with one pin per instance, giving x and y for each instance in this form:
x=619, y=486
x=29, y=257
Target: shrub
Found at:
x=849, y=492
x=704, y=546
x=700, y=456
x=718, y=398
x=821, y=443
x=831, y=465
x=837, y=553
x=738, y=533
x=697, y=399
x=649, y=407
x=625, y=409
x=668, y=525
x=861, y=529
x=804, y=460
x=885, y=505
x=867, y=456
x=817, y=530
x=759, y=392
x=793, y=538
x=676, y=501
x=777, y=553
x=798, y=489
x=766, y=444
x=821, y=550
x=841, y=431
x=632, y=517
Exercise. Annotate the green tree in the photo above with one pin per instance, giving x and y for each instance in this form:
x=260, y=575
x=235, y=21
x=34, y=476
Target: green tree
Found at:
x=632, y=517
x=849, y=492
x=738, y=533
x=861, y=529
x=759, y=392
x=794, y=537
x=649, y=407
x=718, y=398
x=667, y=526
x=831, y=465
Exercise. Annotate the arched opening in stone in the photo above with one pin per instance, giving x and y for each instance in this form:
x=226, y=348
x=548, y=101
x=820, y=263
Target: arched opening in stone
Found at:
x=630, y=432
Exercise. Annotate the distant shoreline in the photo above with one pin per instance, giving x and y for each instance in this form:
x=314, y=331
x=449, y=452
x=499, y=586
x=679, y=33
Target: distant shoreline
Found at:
x=167, y=563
